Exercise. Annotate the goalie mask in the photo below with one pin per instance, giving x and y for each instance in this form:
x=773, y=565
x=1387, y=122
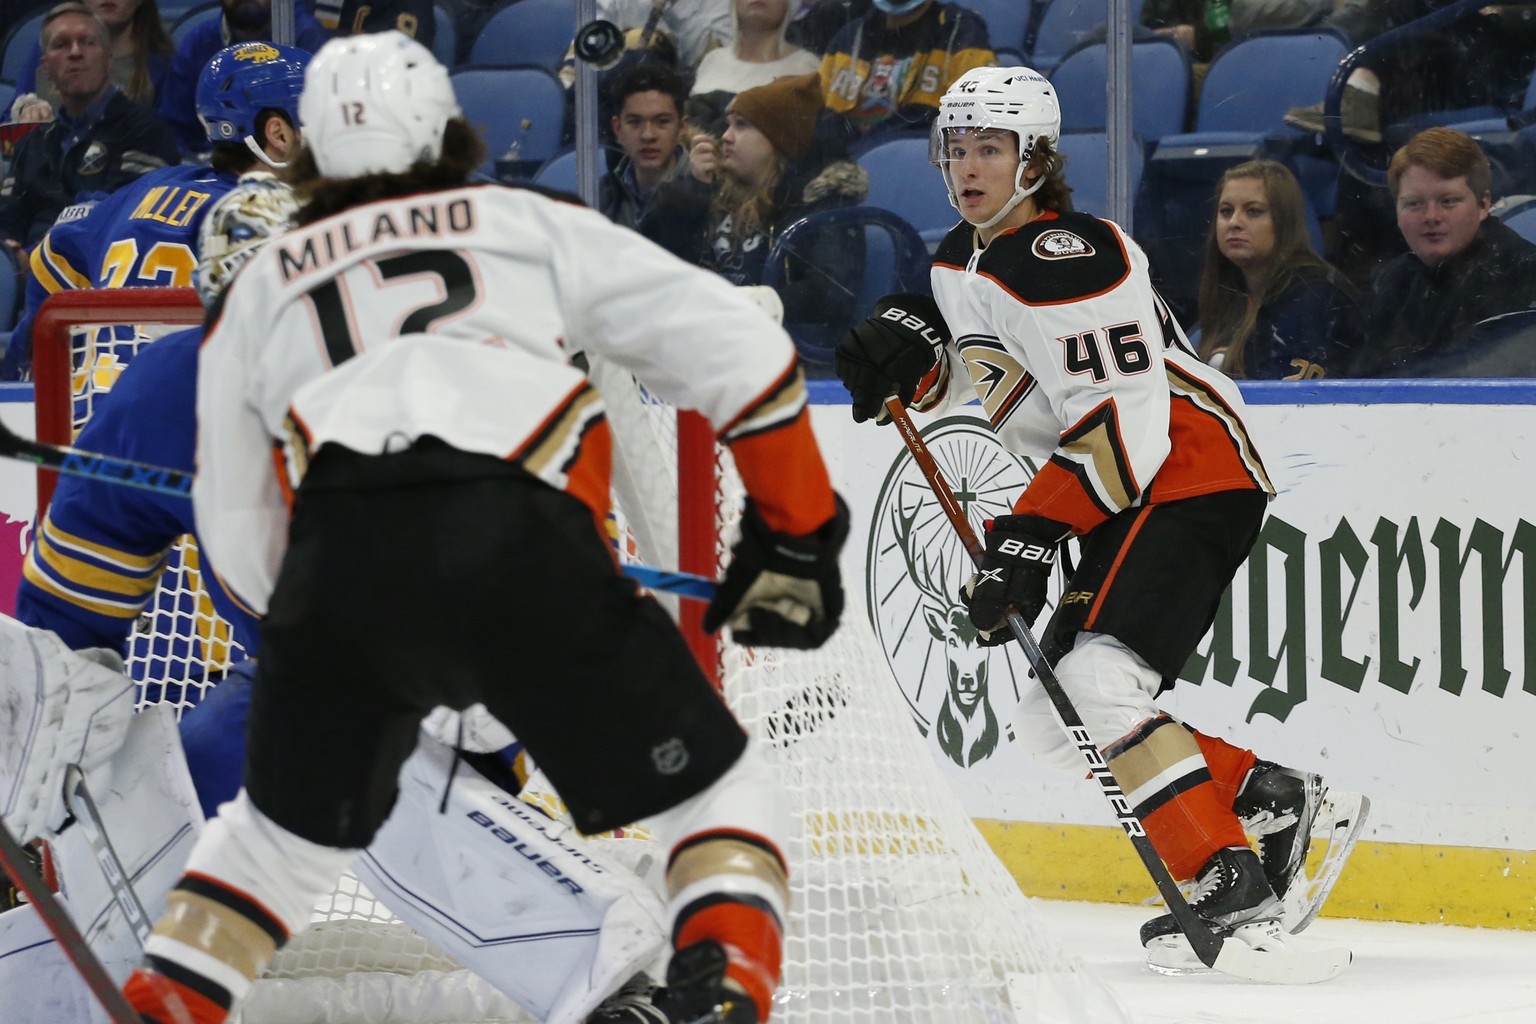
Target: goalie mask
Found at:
x=241, y=81
x=239, y=224
x=1017, y=100
x=375, y=104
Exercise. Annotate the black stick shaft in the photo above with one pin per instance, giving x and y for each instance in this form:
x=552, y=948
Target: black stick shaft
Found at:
x=1205, y=943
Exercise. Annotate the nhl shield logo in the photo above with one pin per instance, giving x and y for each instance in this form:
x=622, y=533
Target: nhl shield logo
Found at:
x=670, y=756
x=960, y=694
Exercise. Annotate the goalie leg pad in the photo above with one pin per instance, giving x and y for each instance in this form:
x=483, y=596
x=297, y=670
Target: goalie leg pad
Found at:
x=57, y=708
x=509, y=892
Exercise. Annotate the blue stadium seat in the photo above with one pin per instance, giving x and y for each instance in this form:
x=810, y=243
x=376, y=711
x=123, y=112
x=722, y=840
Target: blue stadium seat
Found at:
x=1161, y=80
x=193, y=17
x=1064, y=25
x=18, y=43
x=445, y=44
x=903, y=181
x=1007, y=21
x=526, y=32
x=895, y=260
x=1087, y=156
x=559, y=172
x=7, y=94
x=522, y=104
x=1523, y=222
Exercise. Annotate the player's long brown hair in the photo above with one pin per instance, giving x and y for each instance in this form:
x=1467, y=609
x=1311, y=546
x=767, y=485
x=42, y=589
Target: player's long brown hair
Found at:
x=1228, y=313
x=319, y=196
x=1054, y=194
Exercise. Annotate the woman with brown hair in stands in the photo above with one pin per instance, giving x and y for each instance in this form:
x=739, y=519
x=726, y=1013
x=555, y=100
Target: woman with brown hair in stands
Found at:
x=779, y=160
x=1270, y=307
x=141, y=59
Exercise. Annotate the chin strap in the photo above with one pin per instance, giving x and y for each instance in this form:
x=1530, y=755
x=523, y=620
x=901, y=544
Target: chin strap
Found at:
x=261, y=154
x=1020, y=193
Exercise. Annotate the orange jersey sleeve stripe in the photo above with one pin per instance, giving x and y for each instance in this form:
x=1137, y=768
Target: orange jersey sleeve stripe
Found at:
x=783, y=471
x=1058, y=492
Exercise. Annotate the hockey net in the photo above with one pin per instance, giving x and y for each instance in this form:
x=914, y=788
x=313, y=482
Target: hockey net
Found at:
x=901, y=914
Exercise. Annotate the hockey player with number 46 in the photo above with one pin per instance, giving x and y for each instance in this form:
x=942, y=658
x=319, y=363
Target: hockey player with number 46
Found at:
x=1049, y=318
x=402, y=472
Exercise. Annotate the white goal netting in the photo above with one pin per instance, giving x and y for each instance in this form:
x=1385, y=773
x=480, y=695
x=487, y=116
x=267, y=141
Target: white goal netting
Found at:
x=901, y=913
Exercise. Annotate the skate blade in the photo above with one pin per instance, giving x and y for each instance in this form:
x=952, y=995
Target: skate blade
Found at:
x=1340, y=821
x=1253, y=952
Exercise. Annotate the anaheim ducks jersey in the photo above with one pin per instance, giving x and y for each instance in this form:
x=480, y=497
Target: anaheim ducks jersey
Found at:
x=1077, y=361
x=455, y=314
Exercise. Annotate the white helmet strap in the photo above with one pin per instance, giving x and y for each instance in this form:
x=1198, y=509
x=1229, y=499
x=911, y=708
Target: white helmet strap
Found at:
x=1020, y=193
x=261, y=154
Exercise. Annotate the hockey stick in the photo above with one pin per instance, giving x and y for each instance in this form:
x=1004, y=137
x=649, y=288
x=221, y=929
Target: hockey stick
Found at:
x=178, y=483
x=1230, y=957
x=88, y=817
x=14, y=860
x=64, y=459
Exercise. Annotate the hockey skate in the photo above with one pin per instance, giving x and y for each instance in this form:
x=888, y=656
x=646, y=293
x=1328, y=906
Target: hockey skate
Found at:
x=1233, y=897
x=633, y=1003
x=696, y=992
x=1284, y=808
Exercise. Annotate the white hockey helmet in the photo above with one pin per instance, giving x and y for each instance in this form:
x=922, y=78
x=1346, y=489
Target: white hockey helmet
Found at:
x=375, y=104
x=235, y=229
x=1017, y=99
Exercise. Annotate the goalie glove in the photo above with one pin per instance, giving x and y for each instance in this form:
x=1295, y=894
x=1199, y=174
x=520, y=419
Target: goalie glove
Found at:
x=890, y=352
x=1013, y=574
x=57, y=707
x=781, y=590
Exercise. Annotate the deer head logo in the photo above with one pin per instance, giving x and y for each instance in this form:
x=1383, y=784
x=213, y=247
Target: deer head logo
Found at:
x=966, y=726
x=960, y=694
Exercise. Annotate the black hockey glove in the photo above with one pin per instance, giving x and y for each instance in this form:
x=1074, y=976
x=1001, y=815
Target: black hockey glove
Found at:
x=779, y=590
x=890, y=352
x=1014, y=573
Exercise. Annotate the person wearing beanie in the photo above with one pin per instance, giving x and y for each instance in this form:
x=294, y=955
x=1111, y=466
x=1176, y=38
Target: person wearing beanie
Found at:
x=887, y=70
x=781, y=158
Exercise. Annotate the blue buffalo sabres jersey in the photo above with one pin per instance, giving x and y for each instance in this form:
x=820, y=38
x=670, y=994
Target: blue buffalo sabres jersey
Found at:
x=143, y=235
x=99, y=553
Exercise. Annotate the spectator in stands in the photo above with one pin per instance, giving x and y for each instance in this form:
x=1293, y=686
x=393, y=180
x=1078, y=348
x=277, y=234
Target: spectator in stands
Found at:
x=814, y=23
x=694, y=27
x=887, y=70
x=1200, y=26
x=1485, y=57
x=756, y=54
x=1462, y=266
x=414, y=18
x=648, y=127
x=243, y=21
x=98, y=141
x=781, y=158
x=141, y=59
x=1270, y=307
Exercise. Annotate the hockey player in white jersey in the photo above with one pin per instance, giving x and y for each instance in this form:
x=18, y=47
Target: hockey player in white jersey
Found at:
x=402, y=472
x=1049, y=318
x=585, y=924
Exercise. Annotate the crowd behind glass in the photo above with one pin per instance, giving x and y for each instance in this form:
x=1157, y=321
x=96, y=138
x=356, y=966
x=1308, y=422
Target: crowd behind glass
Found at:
x=785, y=143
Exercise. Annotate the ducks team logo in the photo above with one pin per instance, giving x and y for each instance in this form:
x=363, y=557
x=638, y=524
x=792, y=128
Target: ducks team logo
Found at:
x=1061, y=245
x=960, y=694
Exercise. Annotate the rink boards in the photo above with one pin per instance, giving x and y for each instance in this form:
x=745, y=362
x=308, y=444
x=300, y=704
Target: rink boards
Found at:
x=1384, y=633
